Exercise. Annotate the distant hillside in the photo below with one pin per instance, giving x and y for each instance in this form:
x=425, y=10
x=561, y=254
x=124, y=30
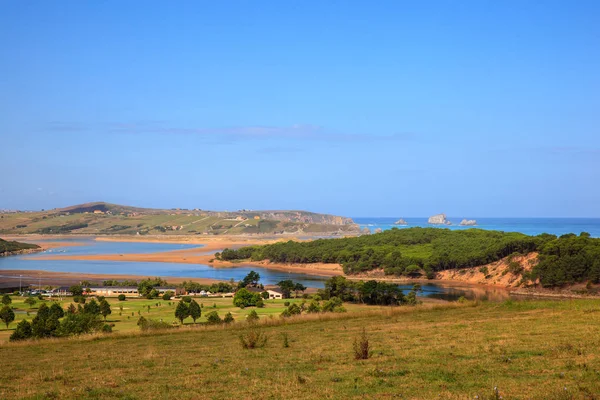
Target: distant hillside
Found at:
x=107, y=218
x=9, y=248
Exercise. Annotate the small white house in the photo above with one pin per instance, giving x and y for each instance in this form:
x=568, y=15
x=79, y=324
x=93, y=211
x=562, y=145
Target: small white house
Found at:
x=274, y=294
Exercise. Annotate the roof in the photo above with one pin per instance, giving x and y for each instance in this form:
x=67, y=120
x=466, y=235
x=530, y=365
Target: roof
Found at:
x=275, y=290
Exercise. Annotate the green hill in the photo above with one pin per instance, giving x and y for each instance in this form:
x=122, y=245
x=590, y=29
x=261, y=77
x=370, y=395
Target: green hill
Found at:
x=106, y=218
x=7, y=248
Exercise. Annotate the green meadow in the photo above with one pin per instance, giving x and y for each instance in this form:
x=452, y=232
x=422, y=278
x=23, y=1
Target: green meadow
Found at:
x=125, y=319
x=512, y=350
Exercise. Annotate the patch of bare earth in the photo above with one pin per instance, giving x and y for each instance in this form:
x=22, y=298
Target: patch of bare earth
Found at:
x=500, y=273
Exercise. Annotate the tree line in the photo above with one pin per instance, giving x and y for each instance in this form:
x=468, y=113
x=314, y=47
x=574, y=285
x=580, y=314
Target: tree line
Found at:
x=424, y=251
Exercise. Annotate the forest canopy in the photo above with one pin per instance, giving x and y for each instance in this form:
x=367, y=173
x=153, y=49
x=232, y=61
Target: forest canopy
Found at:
x=7, y=247
x=416, y=251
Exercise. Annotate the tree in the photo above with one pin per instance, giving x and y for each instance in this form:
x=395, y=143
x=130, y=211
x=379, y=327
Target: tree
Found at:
x=22, y=332
x=213, y=318
x=245, y=298
x=105, y=308
x=167, y=295
x=6, y=300
x=122, y=297
x=31, y=301
x=57, y=311
x=71, y=309
x=298, y=287
x=195, y=310
x=76, y=290
x=182, y=311
x=91, y=307
x=7, y=315
x=250, y=280
x=286, y=287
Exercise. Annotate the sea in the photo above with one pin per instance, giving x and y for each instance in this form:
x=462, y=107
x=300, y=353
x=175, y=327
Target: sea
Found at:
x=528, y=226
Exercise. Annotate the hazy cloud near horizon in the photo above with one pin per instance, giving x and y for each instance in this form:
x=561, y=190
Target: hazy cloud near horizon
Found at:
x=298, y=132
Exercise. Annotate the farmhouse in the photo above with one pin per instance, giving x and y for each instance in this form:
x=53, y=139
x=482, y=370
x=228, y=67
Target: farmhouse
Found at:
x=274, y=294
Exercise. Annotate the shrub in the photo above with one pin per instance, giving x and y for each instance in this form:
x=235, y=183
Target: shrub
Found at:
x=313, y=307
x=187, y=299
x=286, y=342
x=287, y=303
x=22, y=332
x=106, y=328
x=484, y=270
x=515, y=268
x=167, y=295
x=228, y=318
x=361, y=346
x=252, y=317
x=152, y=324
x=213, y=318
x=294, y=309
x=260, y=303
x=79, y=299
x=122, y=297
x=253, y=339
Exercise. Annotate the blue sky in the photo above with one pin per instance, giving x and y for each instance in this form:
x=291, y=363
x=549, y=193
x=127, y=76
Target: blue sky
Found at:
x=473, y=108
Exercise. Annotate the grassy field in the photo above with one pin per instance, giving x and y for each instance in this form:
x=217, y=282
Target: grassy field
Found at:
x=527, y=350
x=125, y=320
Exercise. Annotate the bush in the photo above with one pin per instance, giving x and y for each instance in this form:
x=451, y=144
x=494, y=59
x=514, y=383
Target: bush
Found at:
x=187, y=299
x=79, y=299
x=286, y=303
x=151, y=324
x=313, y=307
x=167, y=295
x=515, y=268
x=106, y=328
x=286, y=342
x=294, y=309
x=213, y=318
x=361, y=346
x=122, y=297
x=253, y=339
x=260, y=303
x=252, y=317
x=22, y=332
x=228, y=318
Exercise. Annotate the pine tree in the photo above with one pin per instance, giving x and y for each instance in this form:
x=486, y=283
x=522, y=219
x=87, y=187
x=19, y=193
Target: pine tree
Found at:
x=194, y=310
x=182, y=311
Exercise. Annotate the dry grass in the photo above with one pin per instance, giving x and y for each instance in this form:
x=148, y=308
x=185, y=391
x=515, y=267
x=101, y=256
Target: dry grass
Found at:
x=528, y=350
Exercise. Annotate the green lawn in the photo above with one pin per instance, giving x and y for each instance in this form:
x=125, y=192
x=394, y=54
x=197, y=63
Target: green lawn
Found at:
x=528, y=350
x=126, y=320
